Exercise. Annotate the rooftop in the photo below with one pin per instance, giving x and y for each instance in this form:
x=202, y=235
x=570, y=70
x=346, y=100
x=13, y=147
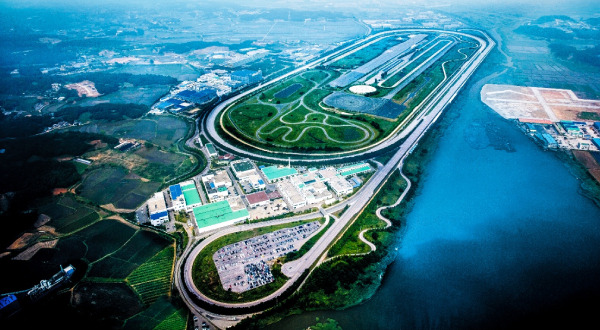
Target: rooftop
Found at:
x=175, y=191
x=355, y=170
x=211, y=148
x=216, y=213
x=190, y=193
x=257, y=197
x=274, y=172
x=242, y=166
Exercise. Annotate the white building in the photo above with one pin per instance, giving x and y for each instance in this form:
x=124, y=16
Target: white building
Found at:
x=216, y=185
x=340, y=186
x=157, y=207
x=289, y=192
x=242, y=169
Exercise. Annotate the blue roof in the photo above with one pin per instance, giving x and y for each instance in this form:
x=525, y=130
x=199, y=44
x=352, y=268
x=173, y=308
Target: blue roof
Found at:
x=261, y=166
x=212, y=185
x=246, y=73
x=175, y=191
x=5, y=301
x=596, y=141
x=548, y=138
x=260, y=181
x=597, y=124
x=159, y=215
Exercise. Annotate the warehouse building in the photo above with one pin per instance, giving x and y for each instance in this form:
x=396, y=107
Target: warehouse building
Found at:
x=276, y=173
x=354, y=169
x=177, y=198
x=217, y=215
x=242, y=169
x=157, y=208
x=210, y=149
x=190, y=195
x=258, y=199
x=199, y=97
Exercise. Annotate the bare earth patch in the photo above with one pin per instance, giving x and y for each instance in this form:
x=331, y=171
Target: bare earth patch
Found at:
x=32, y=250
x=112, y=208
x=86, y=87
x=534, y=103
x=585, y=158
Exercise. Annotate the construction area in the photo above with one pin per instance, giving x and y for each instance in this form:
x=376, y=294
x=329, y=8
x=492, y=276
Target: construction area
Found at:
x=555, y=117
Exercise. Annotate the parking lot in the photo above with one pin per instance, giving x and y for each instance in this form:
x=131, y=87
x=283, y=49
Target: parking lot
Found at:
x=243, y=266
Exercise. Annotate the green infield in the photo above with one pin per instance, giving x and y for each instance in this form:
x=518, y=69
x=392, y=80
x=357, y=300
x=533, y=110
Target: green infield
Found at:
x=315, y=110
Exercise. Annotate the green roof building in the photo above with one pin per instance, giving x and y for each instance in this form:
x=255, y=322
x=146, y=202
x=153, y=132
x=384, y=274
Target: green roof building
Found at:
x=354, y=169
x=215, y=215
x=190, y=193
x=274, y=173
x=211, y=150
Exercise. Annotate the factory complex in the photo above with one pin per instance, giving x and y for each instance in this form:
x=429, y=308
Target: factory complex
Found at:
x=240, y=191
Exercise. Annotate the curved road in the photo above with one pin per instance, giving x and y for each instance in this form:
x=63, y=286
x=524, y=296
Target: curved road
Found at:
x=411, y=136
x=444, y=96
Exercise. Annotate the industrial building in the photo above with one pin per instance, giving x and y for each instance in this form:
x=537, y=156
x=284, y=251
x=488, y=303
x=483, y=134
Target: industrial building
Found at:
x=242, y=169
x=216, y=185
x=199, y=97
x=289, y=192
x=275, y=173
x=177, y=198
x=258, y=199
x=157, y=208
x=353, y=169
x=190, y=195
x=247, y=77
x=340, y=186
x=210, y=149
x=312, y=187
x=216, y=215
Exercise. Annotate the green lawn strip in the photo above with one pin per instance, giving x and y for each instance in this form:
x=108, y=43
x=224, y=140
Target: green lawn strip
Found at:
x=177, y=320
x=350, y=243
x=206, y=278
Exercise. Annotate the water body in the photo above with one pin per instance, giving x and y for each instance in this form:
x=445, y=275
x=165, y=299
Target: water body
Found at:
x=500, y=235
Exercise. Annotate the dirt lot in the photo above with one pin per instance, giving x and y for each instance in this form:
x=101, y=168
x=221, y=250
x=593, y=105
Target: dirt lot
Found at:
x=585, y=158
x=521, y=102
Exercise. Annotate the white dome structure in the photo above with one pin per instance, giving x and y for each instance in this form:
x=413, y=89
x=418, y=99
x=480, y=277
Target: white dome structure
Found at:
x=362, y=89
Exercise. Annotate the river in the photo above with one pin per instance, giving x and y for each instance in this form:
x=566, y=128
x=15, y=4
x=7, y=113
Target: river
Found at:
x=498, y=236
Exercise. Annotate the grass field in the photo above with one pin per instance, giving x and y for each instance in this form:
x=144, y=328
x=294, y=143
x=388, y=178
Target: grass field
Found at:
x=160, y=315
x=288, y=115
x=349, y=243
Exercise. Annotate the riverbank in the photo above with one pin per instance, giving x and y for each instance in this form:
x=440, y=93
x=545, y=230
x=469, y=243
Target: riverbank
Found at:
x=355, y=279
